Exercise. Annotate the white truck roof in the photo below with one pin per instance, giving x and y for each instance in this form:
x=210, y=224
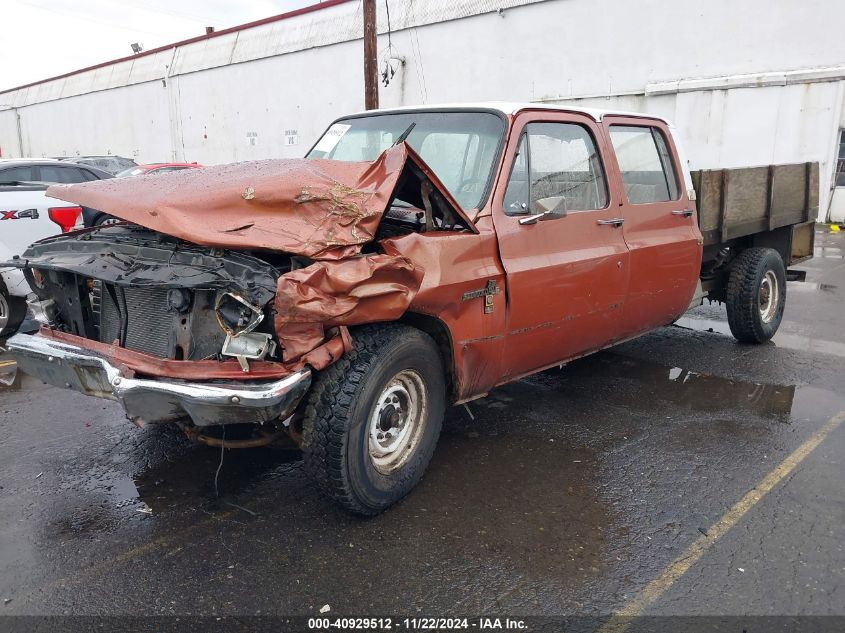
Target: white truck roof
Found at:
x=513, y=107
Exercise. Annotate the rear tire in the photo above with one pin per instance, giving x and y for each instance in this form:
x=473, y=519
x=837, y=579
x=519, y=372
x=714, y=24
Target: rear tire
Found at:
x=372, y=419
x=756, y=295
x=12, y=311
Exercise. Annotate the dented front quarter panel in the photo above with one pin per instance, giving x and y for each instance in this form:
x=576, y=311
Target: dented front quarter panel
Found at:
x=352, y=291
x=458, y=268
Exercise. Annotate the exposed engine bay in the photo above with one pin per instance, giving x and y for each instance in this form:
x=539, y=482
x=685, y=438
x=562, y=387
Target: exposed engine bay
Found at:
x=158, y=295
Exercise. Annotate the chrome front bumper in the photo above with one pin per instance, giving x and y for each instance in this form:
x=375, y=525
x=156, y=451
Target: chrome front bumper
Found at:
x=149, y=400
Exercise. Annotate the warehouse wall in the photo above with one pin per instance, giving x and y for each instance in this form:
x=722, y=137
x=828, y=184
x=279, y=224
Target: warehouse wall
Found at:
x=746, y=83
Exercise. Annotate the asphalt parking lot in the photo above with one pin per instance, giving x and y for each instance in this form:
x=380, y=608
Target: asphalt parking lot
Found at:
x=573, y=492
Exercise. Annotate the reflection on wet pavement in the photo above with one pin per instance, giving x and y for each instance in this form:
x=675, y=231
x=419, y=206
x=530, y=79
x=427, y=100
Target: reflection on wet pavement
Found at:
x=810, y=287
x=694, y=390
x=782, y=338
x=10, y=381
x=834, y=252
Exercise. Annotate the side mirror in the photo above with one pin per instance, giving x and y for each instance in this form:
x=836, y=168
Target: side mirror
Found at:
x=550, y=209
x=553, y=215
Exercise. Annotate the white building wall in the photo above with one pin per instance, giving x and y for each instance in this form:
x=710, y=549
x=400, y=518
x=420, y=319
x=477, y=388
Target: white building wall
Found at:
x=128, y=121
x=741, y=80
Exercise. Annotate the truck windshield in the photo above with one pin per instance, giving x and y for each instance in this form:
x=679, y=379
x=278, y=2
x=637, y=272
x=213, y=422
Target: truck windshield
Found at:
x=460, y=147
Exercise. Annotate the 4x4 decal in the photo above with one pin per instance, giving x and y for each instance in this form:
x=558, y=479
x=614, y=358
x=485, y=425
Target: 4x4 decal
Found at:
x=31, y=214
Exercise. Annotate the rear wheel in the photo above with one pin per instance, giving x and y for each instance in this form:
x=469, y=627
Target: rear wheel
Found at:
x=12, y=311
x=756, y=295
x=373, y=418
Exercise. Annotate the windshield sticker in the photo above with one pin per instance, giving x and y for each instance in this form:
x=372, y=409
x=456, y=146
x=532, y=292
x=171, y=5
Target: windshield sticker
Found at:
x=332, y=137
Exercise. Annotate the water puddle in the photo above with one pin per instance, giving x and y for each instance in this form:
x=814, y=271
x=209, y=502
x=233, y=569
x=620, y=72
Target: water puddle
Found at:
x=157, y=473
x=829, y=252
x=10, y=377
x=787, y=340
x=811, y=287
x=653, y=382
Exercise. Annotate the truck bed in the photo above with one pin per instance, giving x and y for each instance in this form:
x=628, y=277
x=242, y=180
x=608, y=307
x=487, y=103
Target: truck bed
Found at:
x=737, y=204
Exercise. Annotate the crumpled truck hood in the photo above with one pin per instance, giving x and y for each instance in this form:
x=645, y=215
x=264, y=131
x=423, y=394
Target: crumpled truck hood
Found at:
x=321, y=209
x=324, y=210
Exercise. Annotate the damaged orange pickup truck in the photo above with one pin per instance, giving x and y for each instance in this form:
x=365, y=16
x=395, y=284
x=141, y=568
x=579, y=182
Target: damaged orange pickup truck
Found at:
x=414, y=258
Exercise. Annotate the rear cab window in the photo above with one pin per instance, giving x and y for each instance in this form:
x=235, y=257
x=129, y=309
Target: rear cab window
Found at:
x=645, y=162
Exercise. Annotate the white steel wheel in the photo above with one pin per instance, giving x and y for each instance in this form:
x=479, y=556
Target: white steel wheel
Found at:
x=397, y=421
x=769, y=296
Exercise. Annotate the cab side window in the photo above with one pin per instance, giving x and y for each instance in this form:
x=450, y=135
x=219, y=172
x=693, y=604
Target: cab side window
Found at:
x=557, y=168
x=646, y=164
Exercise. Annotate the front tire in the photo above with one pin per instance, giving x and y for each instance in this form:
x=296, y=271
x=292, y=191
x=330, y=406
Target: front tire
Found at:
x=756, y=295
x=372, y=419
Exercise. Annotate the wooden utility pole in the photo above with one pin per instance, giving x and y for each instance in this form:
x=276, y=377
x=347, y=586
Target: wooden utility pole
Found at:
x=370, y=62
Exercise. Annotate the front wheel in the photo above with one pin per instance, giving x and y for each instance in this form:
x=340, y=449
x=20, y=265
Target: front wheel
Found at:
x=373, y=418
x=756, y=295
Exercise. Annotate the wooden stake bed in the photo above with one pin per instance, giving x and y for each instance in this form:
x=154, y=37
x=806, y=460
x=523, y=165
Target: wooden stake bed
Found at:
x=736, y=203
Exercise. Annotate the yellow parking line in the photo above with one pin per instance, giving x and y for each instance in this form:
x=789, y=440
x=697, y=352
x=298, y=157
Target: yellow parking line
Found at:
x=7, y=363
x=657, y=587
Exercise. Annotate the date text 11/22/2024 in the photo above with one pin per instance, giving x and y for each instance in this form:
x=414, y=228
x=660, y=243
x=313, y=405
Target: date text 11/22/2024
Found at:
x=416, y=624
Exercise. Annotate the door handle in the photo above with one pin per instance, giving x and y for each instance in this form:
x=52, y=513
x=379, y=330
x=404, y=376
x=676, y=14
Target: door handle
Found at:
x=612, y=222
x=684, y=212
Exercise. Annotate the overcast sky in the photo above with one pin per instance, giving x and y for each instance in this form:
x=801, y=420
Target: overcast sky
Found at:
x=44, y=38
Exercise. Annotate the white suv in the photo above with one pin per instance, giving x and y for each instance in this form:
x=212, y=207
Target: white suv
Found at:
x=28, y=215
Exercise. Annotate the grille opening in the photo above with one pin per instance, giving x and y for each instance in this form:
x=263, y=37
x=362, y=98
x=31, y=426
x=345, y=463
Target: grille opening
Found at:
x=151, y=327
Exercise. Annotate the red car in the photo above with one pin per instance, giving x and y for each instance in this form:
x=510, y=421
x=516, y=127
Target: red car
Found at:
x=155, y=168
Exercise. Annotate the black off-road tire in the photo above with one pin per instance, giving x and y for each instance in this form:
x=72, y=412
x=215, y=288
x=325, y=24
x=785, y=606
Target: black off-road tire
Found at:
x=342, y=399
x=12, y=311
x=744, y=294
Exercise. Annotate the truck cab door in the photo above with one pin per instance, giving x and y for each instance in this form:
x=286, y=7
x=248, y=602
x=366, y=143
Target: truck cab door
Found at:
x=660, y=229
x=560, y=240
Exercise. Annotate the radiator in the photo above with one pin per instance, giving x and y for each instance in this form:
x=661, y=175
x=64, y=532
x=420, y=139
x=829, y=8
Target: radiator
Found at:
x=148, y=326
